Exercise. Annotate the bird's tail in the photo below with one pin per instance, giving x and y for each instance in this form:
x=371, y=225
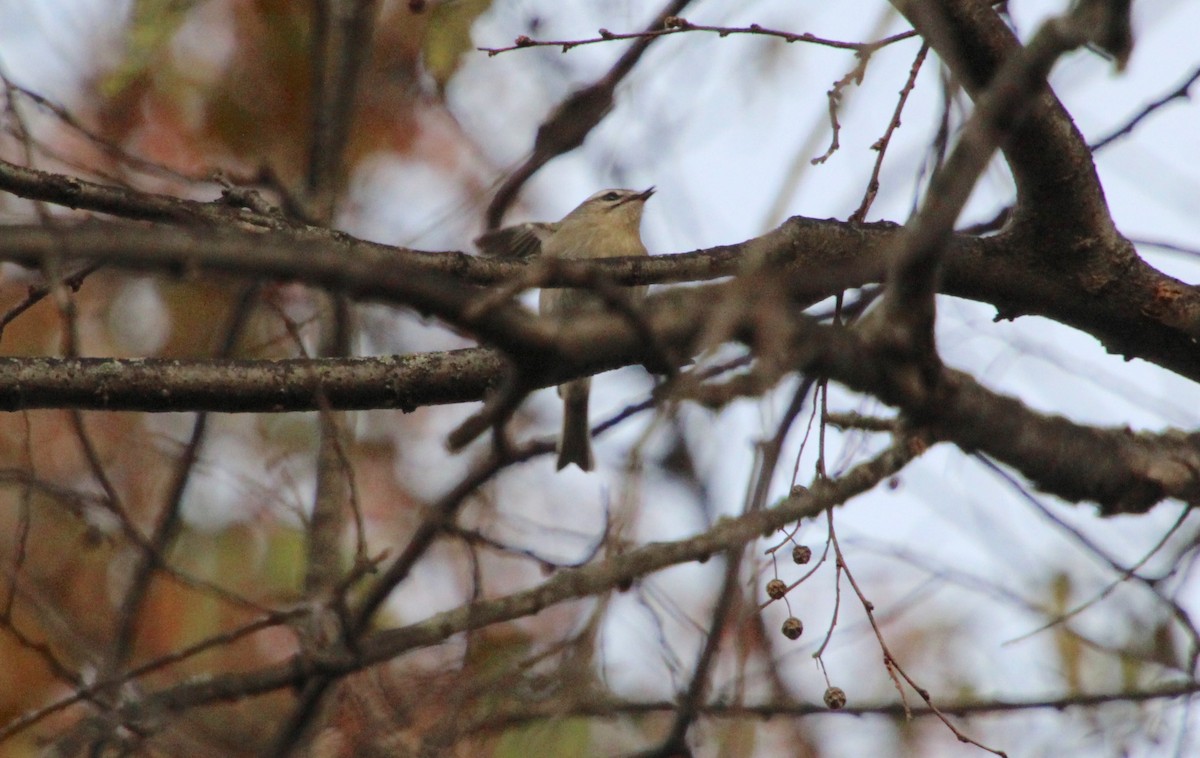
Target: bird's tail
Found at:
x=575, y=445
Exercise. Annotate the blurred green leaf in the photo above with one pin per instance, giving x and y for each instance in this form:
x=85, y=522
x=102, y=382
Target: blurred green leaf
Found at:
x=284, y=569
x=1164, y=649
x=449, y=36
x=151, y=25
x=565, y=737
x=1067, y=643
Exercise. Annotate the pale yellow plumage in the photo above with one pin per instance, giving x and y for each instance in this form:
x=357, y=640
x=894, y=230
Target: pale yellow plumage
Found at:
x=607, y=224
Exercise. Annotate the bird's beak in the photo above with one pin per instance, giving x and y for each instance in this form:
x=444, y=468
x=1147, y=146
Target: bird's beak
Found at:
x=640, y=197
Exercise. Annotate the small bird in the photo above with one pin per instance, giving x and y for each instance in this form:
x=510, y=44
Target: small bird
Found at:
x=606, y=225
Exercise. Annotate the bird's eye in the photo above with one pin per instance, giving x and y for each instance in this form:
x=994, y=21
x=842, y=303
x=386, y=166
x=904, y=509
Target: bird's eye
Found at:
x=611, y=196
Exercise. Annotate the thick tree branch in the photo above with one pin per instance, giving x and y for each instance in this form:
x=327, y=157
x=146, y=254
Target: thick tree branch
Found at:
x=1131, y=308
x=1119, y=470
x=396, y=279
x=168, y=385
x=72, y=192
x=1058, y=191
x=1122, y=471
x=904, y=323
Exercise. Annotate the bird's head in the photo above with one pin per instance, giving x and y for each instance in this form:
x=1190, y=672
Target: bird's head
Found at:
x=612, y=205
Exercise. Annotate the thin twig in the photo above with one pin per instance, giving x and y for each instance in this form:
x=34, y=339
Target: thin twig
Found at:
x=91, y=691
x=756, y=497
x=893, y=666
x=574, y=118
x=677, y=25
x=881, y=145
x=1124, y=572
x=1179, y=93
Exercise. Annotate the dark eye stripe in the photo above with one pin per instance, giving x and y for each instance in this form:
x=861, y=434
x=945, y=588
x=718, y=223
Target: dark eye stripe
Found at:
x=611, y=196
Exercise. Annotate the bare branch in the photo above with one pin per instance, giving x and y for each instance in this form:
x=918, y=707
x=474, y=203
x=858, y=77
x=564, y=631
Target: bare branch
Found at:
x=574, y=118
x=677, y=25
x=1182, y=92
x=563, y=586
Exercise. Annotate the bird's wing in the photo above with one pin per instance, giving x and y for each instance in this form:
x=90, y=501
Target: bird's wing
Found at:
x=520, y=241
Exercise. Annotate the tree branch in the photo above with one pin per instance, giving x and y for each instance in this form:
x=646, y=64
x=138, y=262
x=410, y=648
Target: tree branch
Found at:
x=1133, y=309
x=566, y=128
x=1058, y=191
x=565, y=585
x=160, y=385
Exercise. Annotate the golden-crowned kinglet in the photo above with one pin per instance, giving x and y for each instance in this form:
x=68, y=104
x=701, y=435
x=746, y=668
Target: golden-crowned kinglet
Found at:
x=606, y=225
